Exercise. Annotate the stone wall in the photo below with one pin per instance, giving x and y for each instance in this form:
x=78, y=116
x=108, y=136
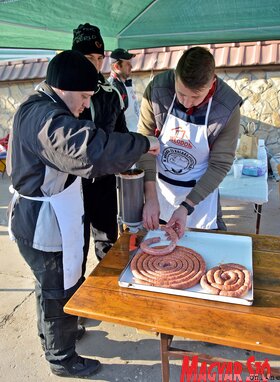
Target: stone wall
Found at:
x=260, y=90
x=11, y=96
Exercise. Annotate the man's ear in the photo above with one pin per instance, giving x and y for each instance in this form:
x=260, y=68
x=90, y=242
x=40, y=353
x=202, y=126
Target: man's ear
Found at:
x=116, y=66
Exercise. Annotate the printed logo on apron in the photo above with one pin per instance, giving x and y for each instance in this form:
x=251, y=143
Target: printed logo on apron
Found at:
x=177, y=161
x=184, y=157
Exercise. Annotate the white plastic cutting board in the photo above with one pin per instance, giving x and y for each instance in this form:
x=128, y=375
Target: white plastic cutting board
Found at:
x=215, y=249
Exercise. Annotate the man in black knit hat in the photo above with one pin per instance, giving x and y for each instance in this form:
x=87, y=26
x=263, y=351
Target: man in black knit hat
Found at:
x=107, y=112
x=54, y=149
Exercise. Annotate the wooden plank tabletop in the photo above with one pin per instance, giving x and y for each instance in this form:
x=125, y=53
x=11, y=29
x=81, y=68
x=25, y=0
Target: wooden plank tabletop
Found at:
x=254, y=327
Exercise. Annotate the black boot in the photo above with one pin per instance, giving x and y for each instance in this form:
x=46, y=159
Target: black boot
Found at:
x=76, y=367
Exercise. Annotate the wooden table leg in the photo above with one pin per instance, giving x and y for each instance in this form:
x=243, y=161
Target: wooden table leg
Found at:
x=258, y=210
x=165, y=341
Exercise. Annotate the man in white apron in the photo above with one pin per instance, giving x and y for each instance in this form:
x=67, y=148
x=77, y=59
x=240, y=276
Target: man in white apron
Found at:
x=120, y=78
x=50, y=149
x=196, y=117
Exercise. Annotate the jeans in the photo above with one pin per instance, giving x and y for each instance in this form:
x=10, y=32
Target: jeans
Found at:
x=56, y=329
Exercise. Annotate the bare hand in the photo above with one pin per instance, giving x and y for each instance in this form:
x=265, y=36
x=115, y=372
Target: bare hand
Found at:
x=154, y=145
x=178, y=221
x=151, y=214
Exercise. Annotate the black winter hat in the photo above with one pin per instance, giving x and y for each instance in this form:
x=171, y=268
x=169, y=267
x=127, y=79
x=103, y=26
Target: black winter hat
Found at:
x=71, y=70
x=87, y=39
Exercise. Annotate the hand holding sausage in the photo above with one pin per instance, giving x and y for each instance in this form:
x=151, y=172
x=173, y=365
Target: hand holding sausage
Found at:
x=178, y=221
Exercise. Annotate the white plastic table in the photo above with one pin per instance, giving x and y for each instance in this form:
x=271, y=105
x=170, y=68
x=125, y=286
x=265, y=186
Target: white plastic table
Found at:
x=247, y=189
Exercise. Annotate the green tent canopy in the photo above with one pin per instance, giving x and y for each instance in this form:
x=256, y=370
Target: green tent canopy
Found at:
x=132, y=24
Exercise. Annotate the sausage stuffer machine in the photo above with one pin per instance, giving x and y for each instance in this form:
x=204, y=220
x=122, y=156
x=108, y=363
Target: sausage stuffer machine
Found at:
x=130, y=198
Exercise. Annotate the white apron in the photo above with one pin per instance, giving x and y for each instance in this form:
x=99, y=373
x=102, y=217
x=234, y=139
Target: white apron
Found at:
x=69, y=211
x=132, y=112
x=183, y=157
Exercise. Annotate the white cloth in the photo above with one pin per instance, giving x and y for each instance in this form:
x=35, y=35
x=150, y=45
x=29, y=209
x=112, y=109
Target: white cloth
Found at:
x=184, y=157
x=132, y=112
x=69, y=210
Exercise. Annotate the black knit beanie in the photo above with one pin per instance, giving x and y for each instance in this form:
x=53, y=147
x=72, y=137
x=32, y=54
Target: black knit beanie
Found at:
x=71, y=70
x=87, y=39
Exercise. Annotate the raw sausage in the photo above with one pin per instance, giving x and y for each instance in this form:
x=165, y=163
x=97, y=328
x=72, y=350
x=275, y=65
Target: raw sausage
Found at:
x=181, y=269
x=230, y=279
x=171, y=235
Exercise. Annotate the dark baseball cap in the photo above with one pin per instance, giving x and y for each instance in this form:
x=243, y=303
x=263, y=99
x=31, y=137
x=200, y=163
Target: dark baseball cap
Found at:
x=121, y=54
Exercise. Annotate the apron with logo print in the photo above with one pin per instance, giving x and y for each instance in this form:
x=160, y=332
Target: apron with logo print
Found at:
x=183, y=159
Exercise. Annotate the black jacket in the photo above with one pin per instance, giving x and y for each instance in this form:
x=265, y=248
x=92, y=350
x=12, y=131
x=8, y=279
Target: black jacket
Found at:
x=108, y=108
x=49, y=147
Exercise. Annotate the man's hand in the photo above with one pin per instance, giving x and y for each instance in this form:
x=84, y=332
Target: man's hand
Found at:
x=154, y=145
x=151, y=209
x=178, y=221
x=151, y=214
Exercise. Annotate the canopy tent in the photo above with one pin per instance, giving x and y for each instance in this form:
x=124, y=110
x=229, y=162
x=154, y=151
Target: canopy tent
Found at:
x=23, y=54
x=135, y=24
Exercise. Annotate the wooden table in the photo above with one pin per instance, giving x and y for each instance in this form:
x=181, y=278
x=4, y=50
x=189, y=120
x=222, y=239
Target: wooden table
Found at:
x=254, y=327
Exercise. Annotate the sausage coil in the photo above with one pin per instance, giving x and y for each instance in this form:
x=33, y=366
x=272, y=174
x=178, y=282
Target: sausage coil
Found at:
x=232, y=280
x=181, y=269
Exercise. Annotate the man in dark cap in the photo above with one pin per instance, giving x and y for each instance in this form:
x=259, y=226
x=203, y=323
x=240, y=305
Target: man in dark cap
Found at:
x=107, y=112
x=54, y=149
x=120, y=77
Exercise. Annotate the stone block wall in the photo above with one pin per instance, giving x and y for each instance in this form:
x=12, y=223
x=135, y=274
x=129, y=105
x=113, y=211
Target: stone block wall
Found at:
x=260, y=90
x=12, y=94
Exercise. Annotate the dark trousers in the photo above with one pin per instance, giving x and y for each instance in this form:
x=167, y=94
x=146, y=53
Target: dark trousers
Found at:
x=100, y=203
x=56, y=329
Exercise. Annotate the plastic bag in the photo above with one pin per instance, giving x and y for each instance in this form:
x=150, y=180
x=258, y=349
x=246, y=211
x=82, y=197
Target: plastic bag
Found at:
x=248, y=144
x=253, y=167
